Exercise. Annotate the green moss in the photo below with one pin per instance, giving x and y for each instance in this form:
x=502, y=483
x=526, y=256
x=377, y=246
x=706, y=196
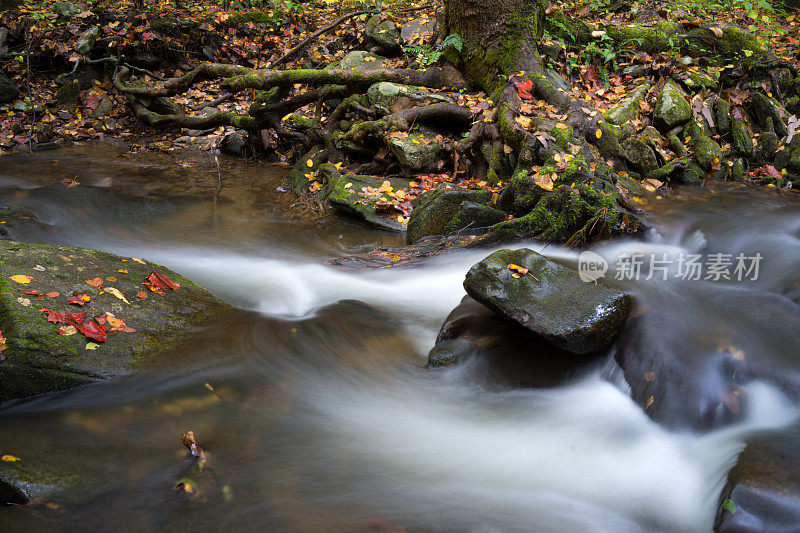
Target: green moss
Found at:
x=574, y=215
x=256, y=17
x=562, y=136
x=651, y=39
x=489, y=66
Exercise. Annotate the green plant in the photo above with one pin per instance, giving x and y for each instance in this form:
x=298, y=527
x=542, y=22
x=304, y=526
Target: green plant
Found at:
x=427, y=55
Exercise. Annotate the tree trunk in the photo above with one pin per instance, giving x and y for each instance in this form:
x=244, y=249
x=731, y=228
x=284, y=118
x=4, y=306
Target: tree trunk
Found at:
x=499, y=37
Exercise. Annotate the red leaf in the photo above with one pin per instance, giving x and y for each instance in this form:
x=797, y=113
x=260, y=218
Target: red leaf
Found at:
x=32, y=292
x=158, y=283
x=524, y=88
x=93, y=330
x=62, y=317
x=773, y=172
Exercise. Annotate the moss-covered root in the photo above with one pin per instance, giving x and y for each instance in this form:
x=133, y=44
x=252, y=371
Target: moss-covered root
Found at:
x=574, y=215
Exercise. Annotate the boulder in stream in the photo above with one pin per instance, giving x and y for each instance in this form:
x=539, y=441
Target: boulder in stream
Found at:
x=44, y=352
x=549, y=300
x=498, y=351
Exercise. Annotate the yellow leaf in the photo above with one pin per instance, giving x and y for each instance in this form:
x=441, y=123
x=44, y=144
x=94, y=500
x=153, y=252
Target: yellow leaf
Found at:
x=561, y=126
x=598, y=133
x=543, y=181
x=525, y=122
x=348, y=185
x=117, y=293
x=92, y=345
x=650, y=401
x=309, y=163
x=10, y=458
x=138, y=260
x=21, y=278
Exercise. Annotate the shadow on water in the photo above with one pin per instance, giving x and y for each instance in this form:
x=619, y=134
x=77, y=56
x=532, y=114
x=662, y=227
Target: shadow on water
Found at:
x=312, y=400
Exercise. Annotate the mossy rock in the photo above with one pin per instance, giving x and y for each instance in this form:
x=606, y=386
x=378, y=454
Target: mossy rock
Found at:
x=575, y=215
x=550, y=300
x=671, y=109
x=362, y=60
x=628, y=109
x=742, y=141
x=473, y=216
x=39, y=360
x=343, y=193
x=722, y=115
x=384, y=96
x=609, y=140
x=68, y=95
x=766, y=108
x=415, y=151
x=87, y=39
x=435, y=210
x=640, y=156
x=708, y=153
x=695, y=80
x=692, y=174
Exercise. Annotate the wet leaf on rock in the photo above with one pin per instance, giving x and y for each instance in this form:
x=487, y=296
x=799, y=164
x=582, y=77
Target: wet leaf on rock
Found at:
x=21, y=278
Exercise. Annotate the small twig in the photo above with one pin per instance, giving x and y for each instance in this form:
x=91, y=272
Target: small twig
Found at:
x=30, y=97
x=294, y=51
x=214, y=103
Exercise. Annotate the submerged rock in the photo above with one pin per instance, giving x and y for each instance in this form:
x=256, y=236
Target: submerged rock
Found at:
x=690, y=377
x=500, y=351
x=40, y=360
x=17, y=223
x=550, y=300
x=762, y=489
x=435, y=211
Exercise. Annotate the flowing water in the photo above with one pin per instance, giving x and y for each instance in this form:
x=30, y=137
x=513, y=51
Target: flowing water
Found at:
x=322, y=415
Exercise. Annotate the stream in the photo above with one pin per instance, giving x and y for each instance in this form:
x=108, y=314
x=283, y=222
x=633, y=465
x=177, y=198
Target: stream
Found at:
x=313, y=402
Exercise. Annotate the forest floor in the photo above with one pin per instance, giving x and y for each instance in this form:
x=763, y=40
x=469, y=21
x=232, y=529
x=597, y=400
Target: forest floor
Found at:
x=63, y=58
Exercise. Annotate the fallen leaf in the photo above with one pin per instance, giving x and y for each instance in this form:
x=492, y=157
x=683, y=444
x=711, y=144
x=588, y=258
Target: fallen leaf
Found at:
x=158, y=283
x=117, y=293
x=93, y=330
x=96, y=282
x=138, y=260
x=10, y=458
x=518, y=269
x=92, y=345
x=544, y=181
x=21, y=278
x=650, y=401
x=141, y=295
x=80, y=299
x=24, y=302
x=53, y=294
x=123, y=270
x=67, y=330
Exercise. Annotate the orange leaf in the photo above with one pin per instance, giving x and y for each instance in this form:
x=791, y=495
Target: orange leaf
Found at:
x=96, y=282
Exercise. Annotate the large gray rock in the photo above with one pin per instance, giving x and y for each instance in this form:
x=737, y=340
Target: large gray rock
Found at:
x=435, y=210
x=8, y=91
x=362, y=60
x=628, y=109
x=418, y=30
x=386, y=95
x=384, y=33
x=39, y=360
x=87, y=39
x=550, y=300
x=672, y=109
x=415, y=151
x=17, y=223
